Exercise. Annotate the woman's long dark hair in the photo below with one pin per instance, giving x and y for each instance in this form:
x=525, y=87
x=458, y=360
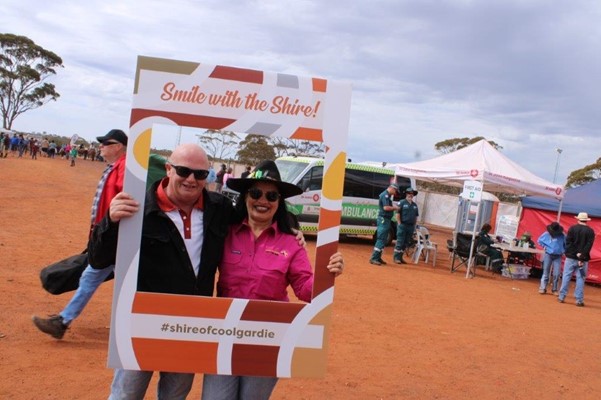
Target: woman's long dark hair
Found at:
x=285, y=220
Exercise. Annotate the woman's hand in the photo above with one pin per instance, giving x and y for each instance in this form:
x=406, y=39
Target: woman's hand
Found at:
x=336, y=264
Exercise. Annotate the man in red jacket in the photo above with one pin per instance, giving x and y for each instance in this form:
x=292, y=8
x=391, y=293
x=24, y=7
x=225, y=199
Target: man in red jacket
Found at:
x=113, y=147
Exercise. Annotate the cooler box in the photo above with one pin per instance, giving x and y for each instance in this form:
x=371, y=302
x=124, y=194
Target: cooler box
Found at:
x=516, y=271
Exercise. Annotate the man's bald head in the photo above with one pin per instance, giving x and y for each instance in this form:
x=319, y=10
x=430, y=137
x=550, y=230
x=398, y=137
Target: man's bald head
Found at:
x=190, y=155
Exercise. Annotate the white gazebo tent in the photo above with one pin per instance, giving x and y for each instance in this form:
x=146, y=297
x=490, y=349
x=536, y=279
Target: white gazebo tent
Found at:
x=480, y=162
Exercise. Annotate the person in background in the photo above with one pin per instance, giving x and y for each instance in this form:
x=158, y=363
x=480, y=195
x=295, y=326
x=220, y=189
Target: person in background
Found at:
x=113, y=147
x=246, y=172
x=73, y=154
x=211, y=178
x=228, y=175
x=2, y=145
x=23, y=144
x=579, y=242
x=484, y=239
x=406, y=219
x=44, y=144
x=52, y=149
x=386, y=209
x=260, y=249
x=553, y=242
x=5, y=148
x=34, y=148
x=14, y=144
x=518, y=257
x=219, y=179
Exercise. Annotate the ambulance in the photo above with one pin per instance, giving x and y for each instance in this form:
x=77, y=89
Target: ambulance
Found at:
x=363, y=184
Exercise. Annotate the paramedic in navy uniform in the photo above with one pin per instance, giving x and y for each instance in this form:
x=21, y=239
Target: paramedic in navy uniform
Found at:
x=406, y=218
x=385, y=213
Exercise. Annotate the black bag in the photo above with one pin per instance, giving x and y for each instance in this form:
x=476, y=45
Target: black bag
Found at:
x=63, y=276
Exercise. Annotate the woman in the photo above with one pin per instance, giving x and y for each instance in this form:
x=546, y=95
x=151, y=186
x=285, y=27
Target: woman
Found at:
x=496, y=257
x=227, y=176
x=261, y=257
x=553, y=241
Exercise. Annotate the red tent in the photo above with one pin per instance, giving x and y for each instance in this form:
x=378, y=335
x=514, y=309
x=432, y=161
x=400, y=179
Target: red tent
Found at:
x=536, y=221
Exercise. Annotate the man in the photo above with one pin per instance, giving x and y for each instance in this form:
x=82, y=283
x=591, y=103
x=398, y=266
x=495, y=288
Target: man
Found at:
x=113, y=147
x=579, y=242
x=246, y=172
x=386, y=210
x=219, y=179
x=406, y=218
x=183, y=235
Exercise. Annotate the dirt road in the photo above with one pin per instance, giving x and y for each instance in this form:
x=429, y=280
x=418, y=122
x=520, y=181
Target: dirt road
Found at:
x=399, y=332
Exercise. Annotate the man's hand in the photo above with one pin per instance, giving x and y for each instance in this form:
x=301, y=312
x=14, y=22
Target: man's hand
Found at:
x=300, y=238
x=122, y=206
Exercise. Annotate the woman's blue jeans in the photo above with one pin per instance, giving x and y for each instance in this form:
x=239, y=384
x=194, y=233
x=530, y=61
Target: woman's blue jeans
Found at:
x=550, y=260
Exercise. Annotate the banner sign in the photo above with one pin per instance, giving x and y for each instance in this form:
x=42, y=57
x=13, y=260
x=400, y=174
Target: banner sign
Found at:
x=154, y=331
x=472, y=191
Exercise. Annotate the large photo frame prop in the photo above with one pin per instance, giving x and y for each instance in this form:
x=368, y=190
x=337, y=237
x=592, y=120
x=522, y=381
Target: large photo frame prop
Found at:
x=153, y=331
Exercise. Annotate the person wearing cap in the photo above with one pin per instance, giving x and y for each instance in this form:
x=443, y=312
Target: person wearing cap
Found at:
x=385, y=213
x=261, y=258
x=553, y=242
x=113, y=147
x=579, y=242
x=406, y=219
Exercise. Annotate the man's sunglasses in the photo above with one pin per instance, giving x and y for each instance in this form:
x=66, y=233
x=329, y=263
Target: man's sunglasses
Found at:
x=109, y=143
x=184, y=172
x=256, y=194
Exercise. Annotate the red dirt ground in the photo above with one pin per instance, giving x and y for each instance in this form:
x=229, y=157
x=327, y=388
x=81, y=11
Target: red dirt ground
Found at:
x=410, y=332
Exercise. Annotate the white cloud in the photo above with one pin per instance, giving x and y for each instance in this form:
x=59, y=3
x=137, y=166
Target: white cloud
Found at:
x=522, y=73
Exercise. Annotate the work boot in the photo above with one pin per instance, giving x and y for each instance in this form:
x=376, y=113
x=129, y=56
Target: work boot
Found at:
x=398, y=258
x=382, y=261
x=374, y=262
x=52, y=326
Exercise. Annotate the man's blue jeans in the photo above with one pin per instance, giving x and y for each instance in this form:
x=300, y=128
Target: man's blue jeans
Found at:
x=569, y=267
x=132, y=385
x=88, y=283
x=226, y=387
x=550, y=260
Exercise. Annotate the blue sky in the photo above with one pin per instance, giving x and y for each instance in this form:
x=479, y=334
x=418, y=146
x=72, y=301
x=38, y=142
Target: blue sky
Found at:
x=525, y=74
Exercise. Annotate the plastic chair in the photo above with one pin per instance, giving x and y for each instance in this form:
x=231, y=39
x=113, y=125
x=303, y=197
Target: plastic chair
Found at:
x=424, y=245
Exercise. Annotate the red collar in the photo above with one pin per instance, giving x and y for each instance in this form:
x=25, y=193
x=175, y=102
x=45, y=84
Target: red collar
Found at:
x=166, y=205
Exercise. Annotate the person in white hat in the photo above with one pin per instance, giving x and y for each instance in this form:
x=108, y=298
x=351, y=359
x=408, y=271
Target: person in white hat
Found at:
x=406, y=219
x=579, y=242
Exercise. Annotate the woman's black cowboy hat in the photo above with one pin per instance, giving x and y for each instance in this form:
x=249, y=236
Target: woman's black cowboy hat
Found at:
x=266, y=171
x=554, y=228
